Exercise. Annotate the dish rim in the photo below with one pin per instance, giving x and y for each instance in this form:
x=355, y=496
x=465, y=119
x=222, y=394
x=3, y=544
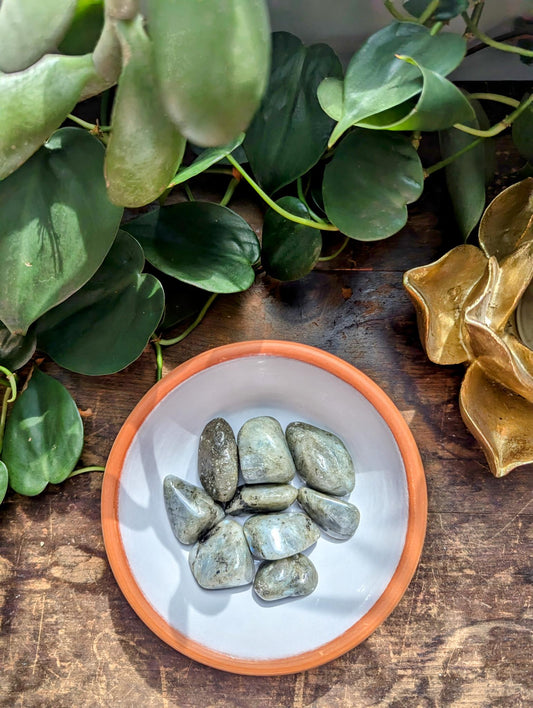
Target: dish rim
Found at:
x=416, y=523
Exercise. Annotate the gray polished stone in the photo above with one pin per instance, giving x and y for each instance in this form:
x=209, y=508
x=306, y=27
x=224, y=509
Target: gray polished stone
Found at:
x=218, y=466
x=295, y=576
x=321, y=459
x=263, y=452
x=262, y=498
x=190, y=510
x=222, y=558
x=274, y=536
x=338, y=518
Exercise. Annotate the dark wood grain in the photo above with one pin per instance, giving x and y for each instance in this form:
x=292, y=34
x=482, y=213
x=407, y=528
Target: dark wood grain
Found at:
x=462, y=634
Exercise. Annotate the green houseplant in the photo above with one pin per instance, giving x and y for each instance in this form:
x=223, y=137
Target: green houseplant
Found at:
x=328, y=151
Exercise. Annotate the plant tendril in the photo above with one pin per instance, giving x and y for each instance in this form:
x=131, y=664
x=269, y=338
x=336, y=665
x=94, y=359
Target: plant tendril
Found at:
x=337, y=252
x=272, y=204
x=3, y=417
x=497, y=98
x=444, y=163
x=12, y=379
x=301, y=197
x=83, y=470
x=229, y=191
x=185, y=333
x=158, y=359
x=94, y=128
x=478, y=34
x=498, y=127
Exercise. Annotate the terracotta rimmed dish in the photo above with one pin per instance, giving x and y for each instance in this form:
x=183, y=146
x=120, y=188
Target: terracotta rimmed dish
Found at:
x=360, y=580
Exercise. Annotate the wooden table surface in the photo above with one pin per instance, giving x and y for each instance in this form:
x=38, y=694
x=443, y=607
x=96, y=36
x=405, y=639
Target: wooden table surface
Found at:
x=461, y=635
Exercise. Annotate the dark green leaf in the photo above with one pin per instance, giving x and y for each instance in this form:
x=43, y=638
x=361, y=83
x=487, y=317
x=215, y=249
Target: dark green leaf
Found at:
x=145, y=148
x=289, y=250
x=200, y=243
x=29, y=29
x=44, y=436
x=105, y=326
x=212, y=64
x=377, y=80
x=35, y=102
x=369, y=181
x=206, y=159
x=3, y=481
x=15, y=349
x=523, y=132
x=290, y=131
x=85, y=28
x=182, y=301
x=465, y=176
x=57, y=226
x=446, y=10
x=440, y=105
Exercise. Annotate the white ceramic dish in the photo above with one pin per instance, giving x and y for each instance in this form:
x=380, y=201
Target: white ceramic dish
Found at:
x=360, y=580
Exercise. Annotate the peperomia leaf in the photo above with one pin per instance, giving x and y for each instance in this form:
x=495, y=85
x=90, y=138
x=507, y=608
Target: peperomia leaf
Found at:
x=57, y=226
x=211, y=63
x=145, y=148
x=465, y=176
x=31, y=28
x=446, y=10
x=203, y=244
x=35, y=102
x=3, y=481
x=522, y=132
x=15, y=349
x=106, y=324
x=290, y=131
x=85, y=28
x=377, y=80
x=206, y=159
x=369, y=181
x=289, y=250
x=44, y=436
x=440, y=105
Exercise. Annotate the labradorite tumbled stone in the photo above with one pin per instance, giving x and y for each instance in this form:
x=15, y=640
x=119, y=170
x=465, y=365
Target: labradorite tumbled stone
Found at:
x=263, y=452
x=338, y=518
x=295, y=576
x=218, y=466
x=274, y=536
x=321, y=459
x=222, y=558
x=262, y=498
x=190, y=510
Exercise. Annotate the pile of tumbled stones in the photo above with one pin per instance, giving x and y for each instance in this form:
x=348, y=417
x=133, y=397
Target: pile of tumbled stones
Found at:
x=224, y=550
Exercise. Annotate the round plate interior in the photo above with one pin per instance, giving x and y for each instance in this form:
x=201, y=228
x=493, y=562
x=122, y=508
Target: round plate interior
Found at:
x=360, y=580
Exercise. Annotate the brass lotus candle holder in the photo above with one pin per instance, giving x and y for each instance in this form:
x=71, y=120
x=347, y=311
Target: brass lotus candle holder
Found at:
x=475, y=306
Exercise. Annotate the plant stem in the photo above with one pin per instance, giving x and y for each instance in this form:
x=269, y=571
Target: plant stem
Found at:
x=229, y=191
x=82, y=470
x=12, y=379
x=3, y=416
x=301, y=197
x=185, y=333
x=492, y=42
x=93, y=127
x=337, y=252
x=476, y=12
x=394, y=12
x=497, y=98
x=451, y=158
x=499, y=127
x=436, y=28
x=430, y=9
x=514, y=34
x=190, y=195
x=158, y=359
x=272, y=204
